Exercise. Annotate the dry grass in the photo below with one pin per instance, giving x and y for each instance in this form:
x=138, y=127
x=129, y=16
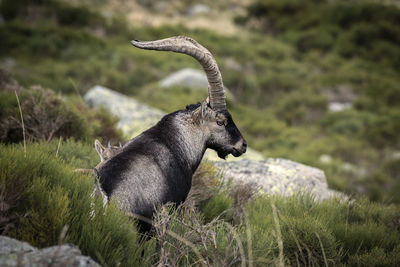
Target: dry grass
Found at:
x=278, y=235
x=22, y=121
x=216, y=243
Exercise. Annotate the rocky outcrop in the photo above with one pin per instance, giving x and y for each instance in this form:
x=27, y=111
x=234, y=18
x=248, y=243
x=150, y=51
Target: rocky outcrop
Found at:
x=18, y=253
x=134, y=117
x=272, y=176
x=278, y=176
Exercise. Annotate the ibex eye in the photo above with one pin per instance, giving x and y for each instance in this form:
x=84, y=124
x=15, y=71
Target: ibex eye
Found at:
x=220, y=123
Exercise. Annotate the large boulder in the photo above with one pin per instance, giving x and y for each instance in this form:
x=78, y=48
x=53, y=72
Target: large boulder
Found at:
x=134, y=117
x=18, y=253
x=278, y=176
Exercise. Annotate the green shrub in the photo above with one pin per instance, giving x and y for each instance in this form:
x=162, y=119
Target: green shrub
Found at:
x=383, y=132
x=329, y=232
x=73, y=153
x=47, y=116
x=217, y=206
x=348, y=122
x=306, y=239
x=300, y=108
x=47, y=195
x=351, y=28
x=377, y=257
x=45, y=40
x=64, y=14
x=383, y=184
x=379, y=130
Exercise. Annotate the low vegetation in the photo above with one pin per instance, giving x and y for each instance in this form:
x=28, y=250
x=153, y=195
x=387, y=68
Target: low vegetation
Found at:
x=47, y=116
x=294, y=60
x=40, y=218
x=229, y=226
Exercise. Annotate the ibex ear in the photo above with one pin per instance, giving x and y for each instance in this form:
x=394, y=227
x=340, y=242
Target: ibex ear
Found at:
x=99, y=148
x=203, y=108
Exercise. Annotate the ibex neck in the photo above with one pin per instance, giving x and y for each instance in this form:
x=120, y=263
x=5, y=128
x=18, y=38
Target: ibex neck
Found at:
x=189, y=140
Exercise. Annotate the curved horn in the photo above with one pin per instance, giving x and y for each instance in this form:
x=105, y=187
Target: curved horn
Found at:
x=188, y=46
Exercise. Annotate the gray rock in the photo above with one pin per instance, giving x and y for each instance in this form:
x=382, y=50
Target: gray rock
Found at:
x=278, y=176
x=192, y=78
x=134, y=117
x=340, y=98
x=395, y=155
x=10, y=245
x=337, y=106
x=17, y=253
x=198, y=9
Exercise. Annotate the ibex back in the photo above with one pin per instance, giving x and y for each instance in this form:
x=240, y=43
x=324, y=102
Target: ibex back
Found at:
x=157, y=166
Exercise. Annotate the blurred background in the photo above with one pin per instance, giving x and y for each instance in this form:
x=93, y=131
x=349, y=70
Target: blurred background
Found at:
x=315, y=81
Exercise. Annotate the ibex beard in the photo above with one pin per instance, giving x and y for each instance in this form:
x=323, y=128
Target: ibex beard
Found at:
x=157, y=166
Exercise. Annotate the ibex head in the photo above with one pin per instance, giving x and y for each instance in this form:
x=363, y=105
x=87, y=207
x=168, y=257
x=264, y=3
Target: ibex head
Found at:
x=211, y=116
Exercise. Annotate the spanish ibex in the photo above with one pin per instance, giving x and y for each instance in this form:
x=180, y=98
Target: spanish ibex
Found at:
x=157, y=166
